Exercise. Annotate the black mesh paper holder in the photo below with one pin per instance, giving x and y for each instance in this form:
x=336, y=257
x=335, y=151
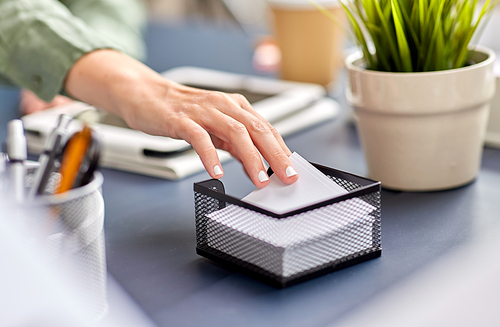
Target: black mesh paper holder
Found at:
x=285, y=249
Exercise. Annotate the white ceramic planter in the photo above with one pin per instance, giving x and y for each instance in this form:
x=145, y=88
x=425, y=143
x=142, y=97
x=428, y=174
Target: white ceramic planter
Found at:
x=422, y=131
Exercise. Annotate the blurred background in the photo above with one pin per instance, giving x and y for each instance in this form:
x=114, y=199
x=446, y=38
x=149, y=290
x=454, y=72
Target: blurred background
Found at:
x=255, y=19
x=252, y=19
x=229, y=19
x=250, y=13
x=305, y=48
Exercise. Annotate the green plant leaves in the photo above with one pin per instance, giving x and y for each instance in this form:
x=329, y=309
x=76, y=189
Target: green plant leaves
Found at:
x=360, y=38
x=404, y=49
x=416, y=35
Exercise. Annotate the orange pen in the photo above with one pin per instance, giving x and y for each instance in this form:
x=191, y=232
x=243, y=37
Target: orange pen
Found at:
x=73, y=158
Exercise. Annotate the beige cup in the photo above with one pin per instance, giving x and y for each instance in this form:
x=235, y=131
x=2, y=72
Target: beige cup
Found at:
x=311, y=44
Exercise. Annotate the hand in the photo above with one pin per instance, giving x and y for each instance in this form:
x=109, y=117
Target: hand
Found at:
x=30, y=103
x=206, y=119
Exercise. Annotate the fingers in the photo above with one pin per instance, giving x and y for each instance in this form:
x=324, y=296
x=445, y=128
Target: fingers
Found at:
x=201, y=142
x=30, y=103
x=262, y=136
x=195, y=115
x=219, y=144
x=243, y=102
x=240, y=145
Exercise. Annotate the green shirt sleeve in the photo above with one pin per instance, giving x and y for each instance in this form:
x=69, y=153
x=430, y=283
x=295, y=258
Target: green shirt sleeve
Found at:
x=122, y=21
x=40, y=40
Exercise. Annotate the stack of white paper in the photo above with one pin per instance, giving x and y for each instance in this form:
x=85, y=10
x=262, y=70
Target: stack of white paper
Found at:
x=312, y=187
x=292, y=245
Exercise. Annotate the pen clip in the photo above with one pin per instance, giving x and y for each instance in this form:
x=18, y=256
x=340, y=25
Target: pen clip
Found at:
x=90, y=162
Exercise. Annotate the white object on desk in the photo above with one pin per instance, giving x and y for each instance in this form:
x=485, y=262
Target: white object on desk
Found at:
x=312, y=187
x=291, y=245
x=297, y=243
x=289, y=106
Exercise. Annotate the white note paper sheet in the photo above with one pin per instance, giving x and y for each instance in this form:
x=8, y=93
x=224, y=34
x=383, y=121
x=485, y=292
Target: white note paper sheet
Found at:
x=312, y=187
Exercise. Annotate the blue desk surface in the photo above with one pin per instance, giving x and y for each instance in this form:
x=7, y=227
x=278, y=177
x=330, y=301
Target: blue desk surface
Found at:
x=150, y=230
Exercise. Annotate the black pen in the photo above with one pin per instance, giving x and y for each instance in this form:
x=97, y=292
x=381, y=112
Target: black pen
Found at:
x=48, y=156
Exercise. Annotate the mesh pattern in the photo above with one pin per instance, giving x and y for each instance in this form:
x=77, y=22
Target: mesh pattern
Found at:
x=346, y=184
x=76, y=239
x=291, y=248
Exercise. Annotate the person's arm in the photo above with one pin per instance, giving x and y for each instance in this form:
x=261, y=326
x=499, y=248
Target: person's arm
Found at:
x=122, y=21
x=44, y=48
x=119, y=20
x=39, y=41
x=206, y=119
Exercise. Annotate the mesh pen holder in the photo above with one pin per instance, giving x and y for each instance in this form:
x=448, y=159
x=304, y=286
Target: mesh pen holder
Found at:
x=285, y=249
x=74, y=225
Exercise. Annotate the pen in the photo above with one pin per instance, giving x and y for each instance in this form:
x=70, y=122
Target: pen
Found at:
x=48, y=156
x=73, y=158
x=17, y=152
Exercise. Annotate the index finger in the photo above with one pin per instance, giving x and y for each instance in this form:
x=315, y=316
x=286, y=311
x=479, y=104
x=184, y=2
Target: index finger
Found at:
x=267, y=140
x=243, y=102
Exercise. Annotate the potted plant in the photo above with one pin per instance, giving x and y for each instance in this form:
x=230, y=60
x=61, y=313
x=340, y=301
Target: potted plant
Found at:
x=419, y=90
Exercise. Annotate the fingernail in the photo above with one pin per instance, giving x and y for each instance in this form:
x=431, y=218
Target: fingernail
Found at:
x=290, y=171
x=263, y=176
x=217, y=170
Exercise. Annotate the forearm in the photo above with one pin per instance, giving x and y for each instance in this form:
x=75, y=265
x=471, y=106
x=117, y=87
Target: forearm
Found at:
x=117, y=83
x=205, y=119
